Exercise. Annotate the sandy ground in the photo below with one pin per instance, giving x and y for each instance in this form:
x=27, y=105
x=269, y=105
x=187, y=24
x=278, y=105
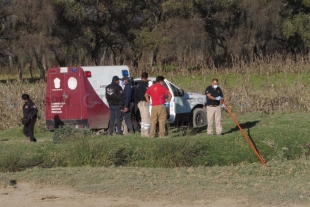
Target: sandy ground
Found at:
x=28, y=195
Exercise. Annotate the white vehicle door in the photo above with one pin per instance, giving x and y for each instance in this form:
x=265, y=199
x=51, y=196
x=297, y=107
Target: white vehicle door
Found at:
x=179, y=104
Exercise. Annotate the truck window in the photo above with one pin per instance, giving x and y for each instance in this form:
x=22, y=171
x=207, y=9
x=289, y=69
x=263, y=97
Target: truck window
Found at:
x=175, y=90
x=165, y=85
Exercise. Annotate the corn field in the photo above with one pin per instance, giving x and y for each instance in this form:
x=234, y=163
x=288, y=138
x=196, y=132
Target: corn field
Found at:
x=283, y=87
x=11, y=102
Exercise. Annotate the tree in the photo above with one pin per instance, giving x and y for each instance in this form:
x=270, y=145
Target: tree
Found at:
x=296, y=27
x=31, y=32
x=5, y=25
x=241, y=28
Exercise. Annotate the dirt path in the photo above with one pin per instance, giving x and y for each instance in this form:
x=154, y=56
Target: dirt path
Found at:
x=26, y=195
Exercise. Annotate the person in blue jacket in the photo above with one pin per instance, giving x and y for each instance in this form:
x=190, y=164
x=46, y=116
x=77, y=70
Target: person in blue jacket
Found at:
x=128, y=96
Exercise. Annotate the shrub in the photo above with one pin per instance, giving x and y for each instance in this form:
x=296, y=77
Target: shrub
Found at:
x=16, y=159
x=68, y=133
x=178, y=153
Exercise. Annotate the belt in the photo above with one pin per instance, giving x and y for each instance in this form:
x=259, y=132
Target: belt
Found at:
x=213, y=105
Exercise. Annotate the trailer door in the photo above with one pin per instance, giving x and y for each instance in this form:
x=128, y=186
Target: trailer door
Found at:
x=72, y=94
x=55, y=89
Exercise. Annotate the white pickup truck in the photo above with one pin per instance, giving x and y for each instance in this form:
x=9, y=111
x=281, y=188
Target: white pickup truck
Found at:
x=185, y=107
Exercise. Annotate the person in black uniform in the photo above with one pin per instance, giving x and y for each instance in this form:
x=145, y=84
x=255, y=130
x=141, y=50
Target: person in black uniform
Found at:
x=214, y=95
x=143, y=105
x=30, y=112
x=114, y=96
x=128, y=103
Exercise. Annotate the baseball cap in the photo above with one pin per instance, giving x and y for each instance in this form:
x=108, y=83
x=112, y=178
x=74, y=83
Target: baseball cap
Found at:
x=125, y=78
x=115, y=78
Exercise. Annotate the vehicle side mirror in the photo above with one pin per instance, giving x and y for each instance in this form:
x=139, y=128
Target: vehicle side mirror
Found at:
x=181, y=92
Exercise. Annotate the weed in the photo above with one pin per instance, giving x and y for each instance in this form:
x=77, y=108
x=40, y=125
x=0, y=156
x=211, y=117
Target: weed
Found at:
x=68, y=133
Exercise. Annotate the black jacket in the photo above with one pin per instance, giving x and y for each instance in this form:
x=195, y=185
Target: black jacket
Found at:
x=128, y=94
x=30, y=111
x=114, y=95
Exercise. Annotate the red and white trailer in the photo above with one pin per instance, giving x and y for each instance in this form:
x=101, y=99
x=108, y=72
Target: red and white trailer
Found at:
x=76, y=95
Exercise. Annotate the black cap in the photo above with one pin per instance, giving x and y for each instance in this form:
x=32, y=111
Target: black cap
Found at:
x=25, y=96
x=115, y=78
x=125, y=78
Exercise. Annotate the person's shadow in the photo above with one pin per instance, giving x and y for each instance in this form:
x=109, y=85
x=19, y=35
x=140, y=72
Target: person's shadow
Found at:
x=57, y=121
x=246, y=125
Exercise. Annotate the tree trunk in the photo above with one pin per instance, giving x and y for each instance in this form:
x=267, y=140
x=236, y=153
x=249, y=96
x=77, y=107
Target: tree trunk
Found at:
x=42, y=72
x=39, y=56
x=102, y=59
x=11, y=63
x=30, y=70
x=121, y=56
x=20, y=69
x=136, y=58
x=44, y=62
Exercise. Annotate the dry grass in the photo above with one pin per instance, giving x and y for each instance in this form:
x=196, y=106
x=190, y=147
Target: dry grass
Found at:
x=277, y=83
x=11, y=102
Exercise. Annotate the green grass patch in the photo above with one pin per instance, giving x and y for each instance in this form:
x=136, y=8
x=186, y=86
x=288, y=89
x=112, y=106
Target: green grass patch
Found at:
x=278, y=137
x=14, y=76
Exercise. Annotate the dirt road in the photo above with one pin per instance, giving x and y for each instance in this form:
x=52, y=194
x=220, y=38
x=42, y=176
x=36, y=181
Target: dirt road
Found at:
x=28, y=195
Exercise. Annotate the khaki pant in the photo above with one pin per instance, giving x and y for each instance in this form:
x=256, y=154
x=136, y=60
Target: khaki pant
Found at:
x=159, y=114
x=145, y=118
x=214, y=112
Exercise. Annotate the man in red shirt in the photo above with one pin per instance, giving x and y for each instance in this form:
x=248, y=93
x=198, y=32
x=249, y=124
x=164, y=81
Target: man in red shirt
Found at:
x=158, y=94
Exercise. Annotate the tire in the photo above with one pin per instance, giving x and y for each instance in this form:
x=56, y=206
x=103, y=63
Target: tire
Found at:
x=199, y=117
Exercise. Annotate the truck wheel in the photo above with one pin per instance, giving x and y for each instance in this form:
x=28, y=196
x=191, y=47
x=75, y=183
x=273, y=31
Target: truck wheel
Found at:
x=199, y=117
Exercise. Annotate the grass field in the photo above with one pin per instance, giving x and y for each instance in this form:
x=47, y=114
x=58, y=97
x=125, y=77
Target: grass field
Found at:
x=277, y=184
x=188, y=165
x=277, y=137
x=155, y=168
x=235, y=172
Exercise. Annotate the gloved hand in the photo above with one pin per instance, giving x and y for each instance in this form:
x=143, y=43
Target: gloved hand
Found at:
x=218, y=98
x=167, y=104
x=223, y=106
